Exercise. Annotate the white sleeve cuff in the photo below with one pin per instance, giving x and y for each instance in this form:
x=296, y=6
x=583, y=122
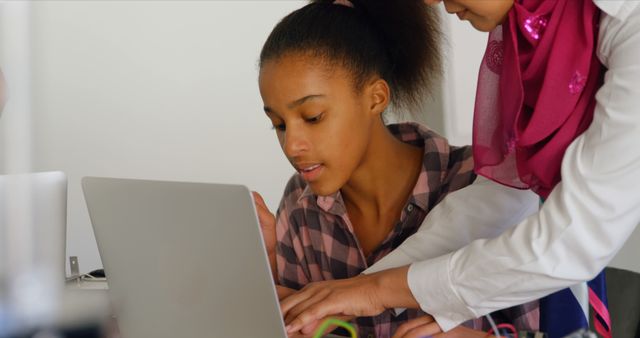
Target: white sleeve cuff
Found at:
x=431, y=286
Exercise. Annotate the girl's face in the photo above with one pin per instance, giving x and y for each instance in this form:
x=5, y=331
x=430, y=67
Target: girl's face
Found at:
x=322, y=122
x=484, y=15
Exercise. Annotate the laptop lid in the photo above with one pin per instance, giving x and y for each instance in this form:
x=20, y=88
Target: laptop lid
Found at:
x=183, y=259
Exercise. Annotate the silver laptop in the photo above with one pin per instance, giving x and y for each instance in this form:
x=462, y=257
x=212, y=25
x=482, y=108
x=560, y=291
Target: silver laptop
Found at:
x=183, y=259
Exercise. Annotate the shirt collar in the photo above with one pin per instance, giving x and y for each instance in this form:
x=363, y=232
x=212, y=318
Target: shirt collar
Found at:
x=333, y=204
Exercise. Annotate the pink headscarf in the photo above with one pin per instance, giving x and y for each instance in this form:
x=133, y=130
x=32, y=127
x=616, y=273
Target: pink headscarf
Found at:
x=536, y=91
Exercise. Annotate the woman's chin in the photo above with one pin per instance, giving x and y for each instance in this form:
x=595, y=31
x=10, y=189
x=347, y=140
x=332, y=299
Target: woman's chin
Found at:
x=483, y=26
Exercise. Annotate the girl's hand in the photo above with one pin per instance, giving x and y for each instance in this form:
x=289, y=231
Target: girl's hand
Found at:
x=426, y=326
x=268, y=226
x=463, y=332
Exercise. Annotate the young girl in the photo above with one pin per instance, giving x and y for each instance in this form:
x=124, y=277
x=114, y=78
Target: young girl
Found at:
x=328, y=71
x=556, y=112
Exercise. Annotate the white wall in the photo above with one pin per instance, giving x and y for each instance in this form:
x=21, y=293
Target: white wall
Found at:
x=16, y=126
x=465, y=47
x=168, y=90
x=159, y=90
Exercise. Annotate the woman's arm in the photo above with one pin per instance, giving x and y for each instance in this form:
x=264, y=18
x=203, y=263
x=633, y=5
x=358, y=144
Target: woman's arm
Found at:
x=484, y=209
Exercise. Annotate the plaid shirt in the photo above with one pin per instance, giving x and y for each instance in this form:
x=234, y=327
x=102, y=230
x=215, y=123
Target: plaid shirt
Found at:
x=316, y=240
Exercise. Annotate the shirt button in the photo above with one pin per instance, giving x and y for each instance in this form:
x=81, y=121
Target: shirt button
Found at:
x=410, y=207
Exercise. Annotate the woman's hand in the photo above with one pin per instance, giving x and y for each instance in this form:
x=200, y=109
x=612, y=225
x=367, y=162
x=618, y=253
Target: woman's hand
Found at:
x=305, y=332
x=361, y=296
x=309, y=330
x=268, y=226
x=352, y=297
x=284, y=292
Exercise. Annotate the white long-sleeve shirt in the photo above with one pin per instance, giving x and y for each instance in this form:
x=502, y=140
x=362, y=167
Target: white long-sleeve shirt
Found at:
x=582, y=225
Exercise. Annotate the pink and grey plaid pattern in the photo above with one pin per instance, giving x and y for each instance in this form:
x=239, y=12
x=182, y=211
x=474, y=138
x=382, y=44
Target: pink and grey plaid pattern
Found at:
x=316, y=240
